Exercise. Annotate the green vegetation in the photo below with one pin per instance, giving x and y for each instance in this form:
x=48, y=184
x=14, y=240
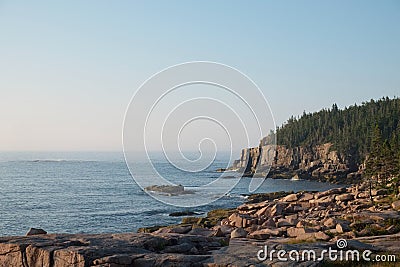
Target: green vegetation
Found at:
x=383, y=161
x=350, y=129
x=369, y=131
x=212, y=218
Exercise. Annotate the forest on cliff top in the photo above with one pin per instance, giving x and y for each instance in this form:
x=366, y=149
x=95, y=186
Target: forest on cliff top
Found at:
x=351, y=130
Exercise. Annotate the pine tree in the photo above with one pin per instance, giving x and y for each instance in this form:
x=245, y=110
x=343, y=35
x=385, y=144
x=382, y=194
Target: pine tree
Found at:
x=367, y=133
x=374, y=162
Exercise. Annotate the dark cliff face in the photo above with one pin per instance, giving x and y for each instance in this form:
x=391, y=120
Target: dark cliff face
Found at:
x=319, y=161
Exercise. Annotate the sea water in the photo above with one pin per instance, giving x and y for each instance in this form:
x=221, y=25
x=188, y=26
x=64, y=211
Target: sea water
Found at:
x=94, y=192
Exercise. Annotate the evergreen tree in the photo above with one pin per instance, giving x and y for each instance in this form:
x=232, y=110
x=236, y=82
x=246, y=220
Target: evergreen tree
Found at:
x=367, y=133
x=349, y=130
x=374, y=159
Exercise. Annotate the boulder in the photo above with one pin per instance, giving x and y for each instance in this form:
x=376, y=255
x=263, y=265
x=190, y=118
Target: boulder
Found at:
x=333, y=191
x=307, y=197
x=238, y=233
x=391, y=229
x=330, y=223
x=36, y=231
x=294, y=231
x=290, y=198
x=218, y=233
x=168, y=189
x=224, y=229
x=274, y=232
x=283, y=223
x=321, y=236
x=286, y=222
x=300, y=224
x=236, y=220
x=396, y=205
x=269, y=223
x=326, y=200
x=342, y=227
x=262, y=211
x=344, y=197
x=379, y=192
x=307, y=205
x=278, y=209
x=297, y=208
x=260, y=234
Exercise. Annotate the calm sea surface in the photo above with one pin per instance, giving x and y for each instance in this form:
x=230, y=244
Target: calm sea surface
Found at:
x=92, y=192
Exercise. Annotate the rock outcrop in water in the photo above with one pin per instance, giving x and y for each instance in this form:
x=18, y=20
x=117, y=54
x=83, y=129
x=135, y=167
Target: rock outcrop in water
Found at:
x=168, y=189
x=320, y=162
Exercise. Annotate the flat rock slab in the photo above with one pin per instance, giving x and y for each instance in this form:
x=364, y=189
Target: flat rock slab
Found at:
x=168, y=249
x=128, y=249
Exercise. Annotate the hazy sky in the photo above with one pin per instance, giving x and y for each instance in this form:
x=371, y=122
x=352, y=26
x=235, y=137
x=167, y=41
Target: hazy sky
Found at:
x=68, y=69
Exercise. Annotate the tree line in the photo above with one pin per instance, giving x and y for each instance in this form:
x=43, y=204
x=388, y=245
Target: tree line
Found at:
x=368, y=131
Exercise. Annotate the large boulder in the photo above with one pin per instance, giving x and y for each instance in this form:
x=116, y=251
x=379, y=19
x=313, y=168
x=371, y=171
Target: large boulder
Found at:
x=396, y=205
x=269, y=223
x=290, y=198
x=239, y=233
x=236, y=220
x=306, y=197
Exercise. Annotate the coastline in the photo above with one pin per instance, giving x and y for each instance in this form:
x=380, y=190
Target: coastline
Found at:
x=231, y=237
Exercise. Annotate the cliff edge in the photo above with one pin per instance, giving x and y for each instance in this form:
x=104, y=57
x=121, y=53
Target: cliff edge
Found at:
x=319, y=162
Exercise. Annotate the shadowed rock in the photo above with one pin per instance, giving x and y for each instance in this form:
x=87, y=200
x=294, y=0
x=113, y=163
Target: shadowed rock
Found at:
x=36, y=231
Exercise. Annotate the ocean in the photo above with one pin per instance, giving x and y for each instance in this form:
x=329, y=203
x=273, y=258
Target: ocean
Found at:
x=93, y=192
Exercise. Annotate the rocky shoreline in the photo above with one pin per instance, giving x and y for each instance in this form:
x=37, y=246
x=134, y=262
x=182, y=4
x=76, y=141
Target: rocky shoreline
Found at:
x=232, y=237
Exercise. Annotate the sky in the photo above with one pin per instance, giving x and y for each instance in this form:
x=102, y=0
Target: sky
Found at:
x=68, y=69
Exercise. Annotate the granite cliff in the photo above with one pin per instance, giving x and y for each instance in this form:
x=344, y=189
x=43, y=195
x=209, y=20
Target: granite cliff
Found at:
x=318, y=162
x=331, y=144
